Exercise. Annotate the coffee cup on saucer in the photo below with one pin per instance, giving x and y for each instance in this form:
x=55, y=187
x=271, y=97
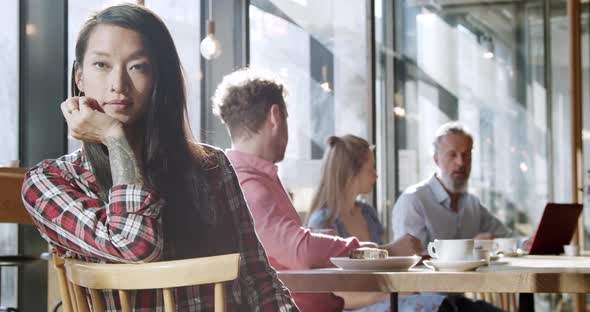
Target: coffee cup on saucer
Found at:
x=570, y=250
x=451, y=249
x=505, y=246
x=482, y=249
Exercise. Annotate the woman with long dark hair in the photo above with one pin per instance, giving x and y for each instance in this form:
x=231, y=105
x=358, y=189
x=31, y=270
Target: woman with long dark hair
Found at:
x=139, y=190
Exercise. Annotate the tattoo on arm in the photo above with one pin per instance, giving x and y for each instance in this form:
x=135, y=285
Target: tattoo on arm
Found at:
x=124, y=166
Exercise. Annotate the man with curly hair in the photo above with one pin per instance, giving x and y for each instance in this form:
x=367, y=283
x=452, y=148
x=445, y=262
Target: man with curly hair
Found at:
x=251, y=103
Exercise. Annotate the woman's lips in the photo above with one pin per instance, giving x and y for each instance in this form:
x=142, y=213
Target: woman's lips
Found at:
x=118, y=104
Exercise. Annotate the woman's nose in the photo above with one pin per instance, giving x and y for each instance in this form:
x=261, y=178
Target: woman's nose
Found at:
x=118, y=81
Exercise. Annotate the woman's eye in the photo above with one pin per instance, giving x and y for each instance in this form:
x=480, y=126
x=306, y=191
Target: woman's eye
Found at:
x=100, y=65
x=139, y=67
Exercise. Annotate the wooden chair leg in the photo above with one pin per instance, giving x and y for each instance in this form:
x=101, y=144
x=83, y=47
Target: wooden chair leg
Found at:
x=513, y=302
x=488, y=297
x=64, y=291
x=81, y=301
x=504, y=301
x=168, y=300
x=219, y=297
x=97, y=305
x=580, y=300
x=124, y=298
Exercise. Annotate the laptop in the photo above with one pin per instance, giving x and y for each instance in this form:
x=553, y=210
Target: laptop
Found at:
x=556, y=229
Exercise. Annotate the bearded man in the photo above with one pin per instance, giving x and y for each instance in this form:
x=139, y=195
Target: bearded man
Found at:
x=440, y=207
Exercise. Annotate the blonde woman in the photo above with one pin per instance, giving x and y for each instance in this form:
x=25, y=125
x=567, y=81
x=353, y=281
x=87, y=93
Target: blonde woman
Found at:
x=348, y=170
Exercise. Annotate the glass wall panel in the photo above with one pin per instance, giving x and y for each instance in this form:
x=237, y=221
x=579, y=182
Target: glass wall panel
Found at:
x=9, y=127
x=482, y=63
x=321, y=50
x=586, y=118
x=182, y=19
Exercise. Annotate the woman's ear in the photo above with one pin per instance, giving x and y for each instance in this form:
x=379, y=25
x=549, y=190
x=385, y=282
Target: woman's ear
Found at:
x=78, y=77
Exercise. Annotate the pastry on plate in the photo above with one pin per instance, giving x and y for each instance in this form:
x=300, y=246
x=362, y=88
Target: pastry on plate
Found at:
x=368, y=253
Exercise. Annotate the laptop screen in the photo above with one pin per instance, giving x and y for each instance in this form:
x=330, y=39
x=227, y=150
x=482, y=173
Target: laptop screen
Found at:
x=556, y=228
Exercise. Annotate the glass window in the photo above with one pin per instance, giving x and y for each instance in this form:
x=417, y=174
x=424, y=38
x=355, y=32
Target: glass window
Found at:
x=9, y=127
x=586, y=119
x=9, y=82
x=182, y=19
x=320, y=49
x=484, y=65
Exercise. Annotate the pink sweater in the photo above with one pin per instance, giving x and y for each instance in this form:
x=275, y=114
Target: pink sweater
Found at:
x=288, y=244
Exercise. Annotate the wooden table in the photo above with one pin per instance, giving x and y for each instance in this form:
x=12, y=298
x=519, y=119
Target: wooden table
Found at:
x=528, y=274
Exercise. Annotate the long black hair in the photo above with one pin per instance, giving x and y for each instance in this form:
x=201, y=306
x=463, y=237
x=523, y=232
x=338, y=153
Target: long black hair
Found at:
x=171, y=165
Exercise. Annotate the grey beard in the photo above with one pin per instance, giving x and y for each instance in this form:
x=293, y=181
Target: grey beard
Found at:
x=452, y=185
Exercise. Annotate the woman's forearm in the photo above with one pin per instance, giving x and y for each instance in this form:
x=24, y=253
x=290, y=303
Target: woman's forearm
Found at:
x=124, y=166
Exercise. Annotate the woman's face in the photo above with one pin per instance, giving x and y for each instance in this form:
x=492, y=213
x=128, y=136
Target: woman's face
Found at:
x=117, y=72
x=367, y=176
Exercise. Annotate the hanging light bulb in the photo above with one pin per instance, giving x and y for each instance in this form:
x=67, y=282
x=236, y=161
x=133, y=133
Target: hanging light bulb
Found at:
x=399, y=111
x=325, y=85
x=488, y=47
x=210, y=47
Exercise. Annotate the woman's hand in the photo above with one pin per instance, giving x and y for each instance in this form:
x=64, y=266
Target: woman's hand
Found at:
x=88, y=122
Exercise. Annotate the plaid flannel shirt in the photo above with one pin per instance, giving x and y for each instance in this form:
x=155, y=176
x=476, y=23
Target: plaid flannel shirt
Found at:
x=61, y=196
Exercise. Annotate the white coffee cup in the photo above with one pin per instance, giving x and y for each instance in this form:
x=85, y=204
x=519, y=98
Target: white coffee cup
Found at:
x=451, y=249
x=505, y=245
x=570, y=250
x=482, y=249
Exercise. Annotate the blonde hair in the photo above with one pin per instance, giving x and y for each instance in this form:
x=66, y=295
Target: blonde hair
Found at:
x=342, y=161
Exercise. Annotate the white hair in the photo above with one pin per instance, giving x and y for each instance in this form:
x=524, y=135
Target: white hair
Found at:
x=453, y=127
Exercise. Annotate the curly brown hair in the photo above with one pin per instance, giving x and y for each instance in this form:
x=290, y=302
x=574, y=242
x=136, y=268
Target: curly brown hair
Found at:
x=244, y=97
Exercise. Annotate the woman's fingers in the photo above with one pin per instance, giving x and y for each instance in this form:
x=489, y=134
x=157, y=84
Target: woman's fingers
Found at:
x=69, y=106
x=89, y=104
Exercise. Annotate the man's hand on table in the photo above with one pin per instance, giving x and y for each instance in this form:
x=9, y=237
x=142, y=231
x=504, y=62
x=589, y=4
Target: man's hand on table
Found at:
x=485, y=236
x=407, y=245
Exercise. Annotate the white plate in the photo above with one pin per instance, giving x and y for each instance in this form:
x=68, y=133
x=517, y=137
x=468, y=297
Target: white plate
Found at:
x=454, y=266
x=387, y=264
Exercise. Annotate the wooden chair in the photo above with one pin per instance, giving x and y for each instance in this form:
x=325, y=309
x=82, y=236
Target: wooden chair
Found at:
x=12, y=209
x=155, y=275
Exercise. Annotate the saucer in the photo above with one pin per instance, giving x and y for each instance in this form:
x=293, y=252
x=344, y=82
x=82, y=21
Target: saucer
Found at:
x=386, y=264
x=518, y=253
x=495, y=258
x=454, y=265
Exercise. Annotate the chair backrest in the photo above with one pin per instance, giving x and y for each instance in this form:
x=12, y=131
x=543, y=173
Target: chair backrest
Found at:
x=163, y=275
x=12, y=209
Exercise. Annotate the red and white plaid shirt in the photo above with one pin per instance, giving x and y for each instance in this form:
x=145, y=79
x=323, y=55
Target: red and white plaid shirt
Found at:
x=61, y=196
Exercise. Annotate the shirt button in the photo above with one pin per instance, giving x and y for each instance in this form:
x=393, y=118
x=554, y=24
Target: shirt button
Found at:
x=197, y=300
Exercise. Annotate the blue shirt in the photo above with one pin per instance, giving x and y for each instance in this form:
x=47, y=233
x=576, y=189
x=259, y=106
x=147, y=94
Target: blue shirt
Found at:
x=318, y=218
x=424, y=211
